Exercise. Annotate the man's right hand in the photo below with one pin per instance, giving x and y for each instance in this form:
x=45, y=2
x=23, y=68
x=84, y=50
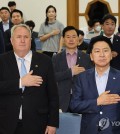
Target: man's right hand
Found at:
x=106, y=98
x=76, y=69
x=31, y=80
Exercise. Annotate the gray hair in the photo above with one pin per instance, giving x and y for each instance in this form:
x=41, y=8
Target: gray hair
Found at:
x=20, y=25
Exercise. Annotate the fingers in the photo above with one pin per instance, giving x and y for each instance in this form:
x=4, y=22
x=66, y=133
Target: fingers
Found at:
x=31, y=80
x=107, y=99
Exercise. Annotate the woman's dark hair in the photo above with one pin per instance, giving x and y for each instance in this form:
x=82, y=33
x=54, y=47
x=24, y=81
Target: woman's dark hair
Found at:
x=46, y=20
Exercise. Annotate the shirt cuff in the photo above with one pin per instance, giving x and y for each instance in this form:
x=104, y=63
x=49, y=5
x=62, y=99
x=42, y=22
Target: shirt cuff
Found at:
x=20, y=84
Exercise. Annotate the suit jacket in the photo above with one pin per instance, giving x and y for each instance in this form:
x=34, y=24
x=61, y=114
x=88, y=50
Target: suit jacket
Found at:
x=115, y=62
x=2, y=45
x=1, y=28
x=40, y=105
x=64, y=78
x=116, y=47
x=84, y=101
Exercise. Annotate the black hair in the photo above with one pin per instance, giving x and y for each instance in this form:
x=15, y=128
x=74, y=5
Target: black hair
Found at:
x=109, y=16
x=96, y=20
x=11, y=3
x=81, y=32
x=16, y=11
x=50, y=6
x=4, y=8
x=97, y=39
x=30, y=23
x=68, y=28
x=90, y=23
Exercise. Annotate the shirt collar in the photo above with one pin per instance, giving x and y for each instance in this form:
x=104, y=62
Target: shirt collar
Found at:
x=75, y=52
x=27, y=57
x=5, y=22
x=109, y=37
x=105, y=73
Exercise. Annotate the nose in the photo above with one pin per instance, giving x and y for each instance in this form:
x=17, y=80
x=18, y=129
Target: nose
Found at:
x=102, y=53
x=22, y=39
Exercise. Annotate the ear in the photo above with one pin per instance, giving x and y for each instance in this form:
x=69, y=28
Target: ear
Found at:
x=111, y=57
x=91, y=57
x=63, y=40
x=11, y=41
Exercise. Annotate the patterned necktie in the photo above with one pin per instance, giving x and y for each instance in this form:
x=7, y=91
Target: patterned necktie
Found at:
x=23, y=70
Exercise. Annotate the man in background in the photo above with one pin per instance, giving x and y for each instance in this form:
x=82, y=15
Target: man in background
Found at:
x=67, y=65
x=12, y=5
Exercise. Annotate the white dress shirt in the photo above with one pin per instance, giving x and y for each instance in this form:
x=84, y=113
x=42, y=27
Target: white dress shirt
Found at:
x=27, y=62
x=101, y=81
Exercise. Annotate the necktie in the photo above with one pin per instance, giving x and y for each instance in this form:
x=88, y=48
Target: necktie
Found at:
x=23, y=70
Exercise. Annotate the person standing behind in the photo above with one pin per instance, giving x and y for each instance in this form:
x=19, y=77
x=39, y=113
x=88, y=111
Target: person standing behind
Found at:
x=96, y=92
x=12, y=5
x=16, y=18
x=68, y=64
x=6, y=23
x=50, y=32
x=29, y=102
x=82, y=45
x=34, y=34
x=108, y=26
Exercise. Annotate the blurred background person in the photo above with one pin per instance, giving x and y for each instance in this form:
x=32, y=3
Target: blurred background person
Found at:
x=34, y=34
x=88, y=28
x=82, y=45
x=5, y=23
x=96, y=27
x=12, y=5
x=50, y=32
x=16, y=18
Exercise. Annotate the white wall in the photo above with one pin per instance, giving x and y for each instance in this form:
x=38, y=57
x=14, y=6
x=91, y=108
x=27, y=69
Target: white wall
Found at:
x=35, y=9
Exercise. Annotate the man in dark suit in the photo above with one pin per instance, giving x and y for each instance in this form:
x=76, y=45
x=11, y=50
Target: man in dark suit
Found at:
x=2, y=45
x=5, y=24
x=16, y=18
x=96, y=92
x=108, y=26
x=29, y=103
x=67, y=65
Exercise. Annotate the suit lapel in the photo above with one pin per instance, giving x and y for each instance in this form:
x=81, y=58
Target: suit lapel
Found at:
x=79, y=60
x=64, y=60
x=12, y=63
x=111, y=80
x=92, y=83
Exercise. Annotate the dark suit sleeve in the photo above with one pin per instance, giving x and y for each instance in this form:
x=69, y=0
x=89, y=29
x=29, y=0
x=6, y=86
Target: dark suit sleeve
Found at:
x=53, y=98
x=59, y=73
x=7, y=85
x=78, y=102
x=2, y=45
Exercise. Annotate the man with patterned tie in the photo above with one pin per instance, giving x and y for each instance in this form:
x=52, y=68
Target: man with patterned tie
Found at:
x=29, y=101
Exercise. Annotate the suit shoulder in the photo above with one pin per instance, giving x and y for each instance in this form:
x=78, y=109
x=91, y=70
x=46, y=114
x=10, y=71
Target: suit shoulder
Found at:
x=41, y=56
x=85, y=55
x=86, y=72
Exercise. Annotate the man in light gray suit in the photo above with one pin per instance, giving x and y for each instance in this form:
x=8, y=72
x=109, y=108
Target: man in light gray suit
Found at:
x=68, y=64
